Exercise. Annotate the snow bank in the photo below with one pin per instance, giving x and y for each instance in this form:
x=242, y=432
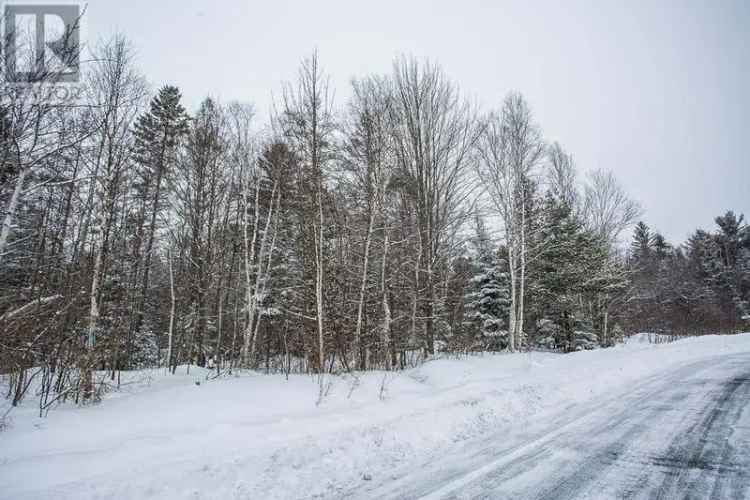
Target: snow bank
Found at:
x=258, y=436
x=651, y=338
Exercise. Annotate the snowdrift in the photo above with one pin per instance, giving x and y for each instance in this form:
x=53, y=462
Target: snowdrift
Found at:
x=258, y=436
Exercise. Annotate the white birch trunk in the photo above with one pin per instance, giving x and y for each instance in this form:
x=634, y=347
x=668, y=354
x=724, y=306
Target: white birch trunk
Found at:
x=522, y=277
x=261, y=278
x=513, y=304
x=259, y=275
x=363, y=285
x=101, y=217
x=386, y=307
x=171, y=312
x=10, y=211
x=249, y=261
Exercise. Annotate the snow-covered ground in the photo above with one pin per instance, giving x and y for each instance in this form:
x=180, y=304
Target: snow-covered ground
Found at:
x=259, y=436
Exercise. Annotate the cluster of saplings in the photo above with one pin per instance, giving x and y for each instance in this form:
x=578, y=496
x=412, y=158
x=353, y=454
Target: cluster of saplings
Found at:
x=367, y=234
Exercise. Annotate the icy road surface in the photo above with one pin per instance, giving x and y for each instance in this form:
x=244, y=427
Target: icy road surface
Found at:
x=685, y=434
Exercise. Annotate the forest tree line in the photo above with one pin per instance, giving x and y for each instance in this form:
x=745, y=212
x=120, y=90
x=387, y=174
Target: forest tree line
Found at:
x=404, y=223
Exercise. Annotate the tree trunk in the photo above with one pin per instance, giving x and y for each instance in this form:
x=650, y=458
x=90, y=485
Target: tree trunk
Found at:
x=319, y=283
x=171, y=313
x=260, y=275
x=512, y=326
x=149, y=248
x=363, y=285
x=520, y=337
x=10, y=212
x=93, y=322
x=386, y=307
x=249, y=261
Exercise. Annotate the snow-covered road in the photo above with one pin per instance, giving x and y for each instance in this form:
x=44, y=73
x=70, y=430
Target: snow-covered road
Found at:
x=684, y=434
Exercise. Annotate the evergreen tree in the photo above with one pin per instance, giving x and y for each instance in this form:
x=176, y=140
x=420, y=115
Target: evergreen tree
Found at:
x=584, y=336
x=642, y=245
x=662, y=249
x=642, y=301
x=730, y=279
x=548, y=334
x=571, y=262
x=488, y=301
x=157, y=133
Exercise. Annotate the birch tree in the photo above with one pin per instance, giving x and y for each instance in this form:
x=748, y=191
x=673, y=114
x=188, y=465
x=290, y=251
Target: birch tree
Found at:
x=608, y=211
x=368, y=157
x=561, y=176
x=32, y=123
x=510, y=150
x=259, y=237
x=607, y=207
x=118, y=91
x=434, y=134
x=201, y=194
x=307, y=123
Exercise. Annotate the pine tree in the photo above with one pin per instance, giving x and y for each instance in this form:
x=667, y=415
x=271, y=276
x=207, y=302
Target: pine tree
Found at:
x=488, y=302
x=157, y=133
x=642, y=245
x=548, y=334
x=642, y=303
x=572, y=262
x=729, y=266
x=662, y=249
x=743, y=271
x=584, y=337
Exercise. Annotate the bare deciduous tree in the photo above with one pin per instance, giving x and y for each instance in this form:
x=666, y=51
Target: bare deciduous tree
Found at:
x=368, y=157
x=435, y=131
x=119, y=92
x=606, y=207
x=307, y=123
x=510, y=150
x=561, y=175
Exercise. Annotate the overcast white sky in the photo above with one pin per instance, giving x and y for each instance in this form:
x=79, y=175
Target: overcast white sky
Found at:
x=658, y=92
